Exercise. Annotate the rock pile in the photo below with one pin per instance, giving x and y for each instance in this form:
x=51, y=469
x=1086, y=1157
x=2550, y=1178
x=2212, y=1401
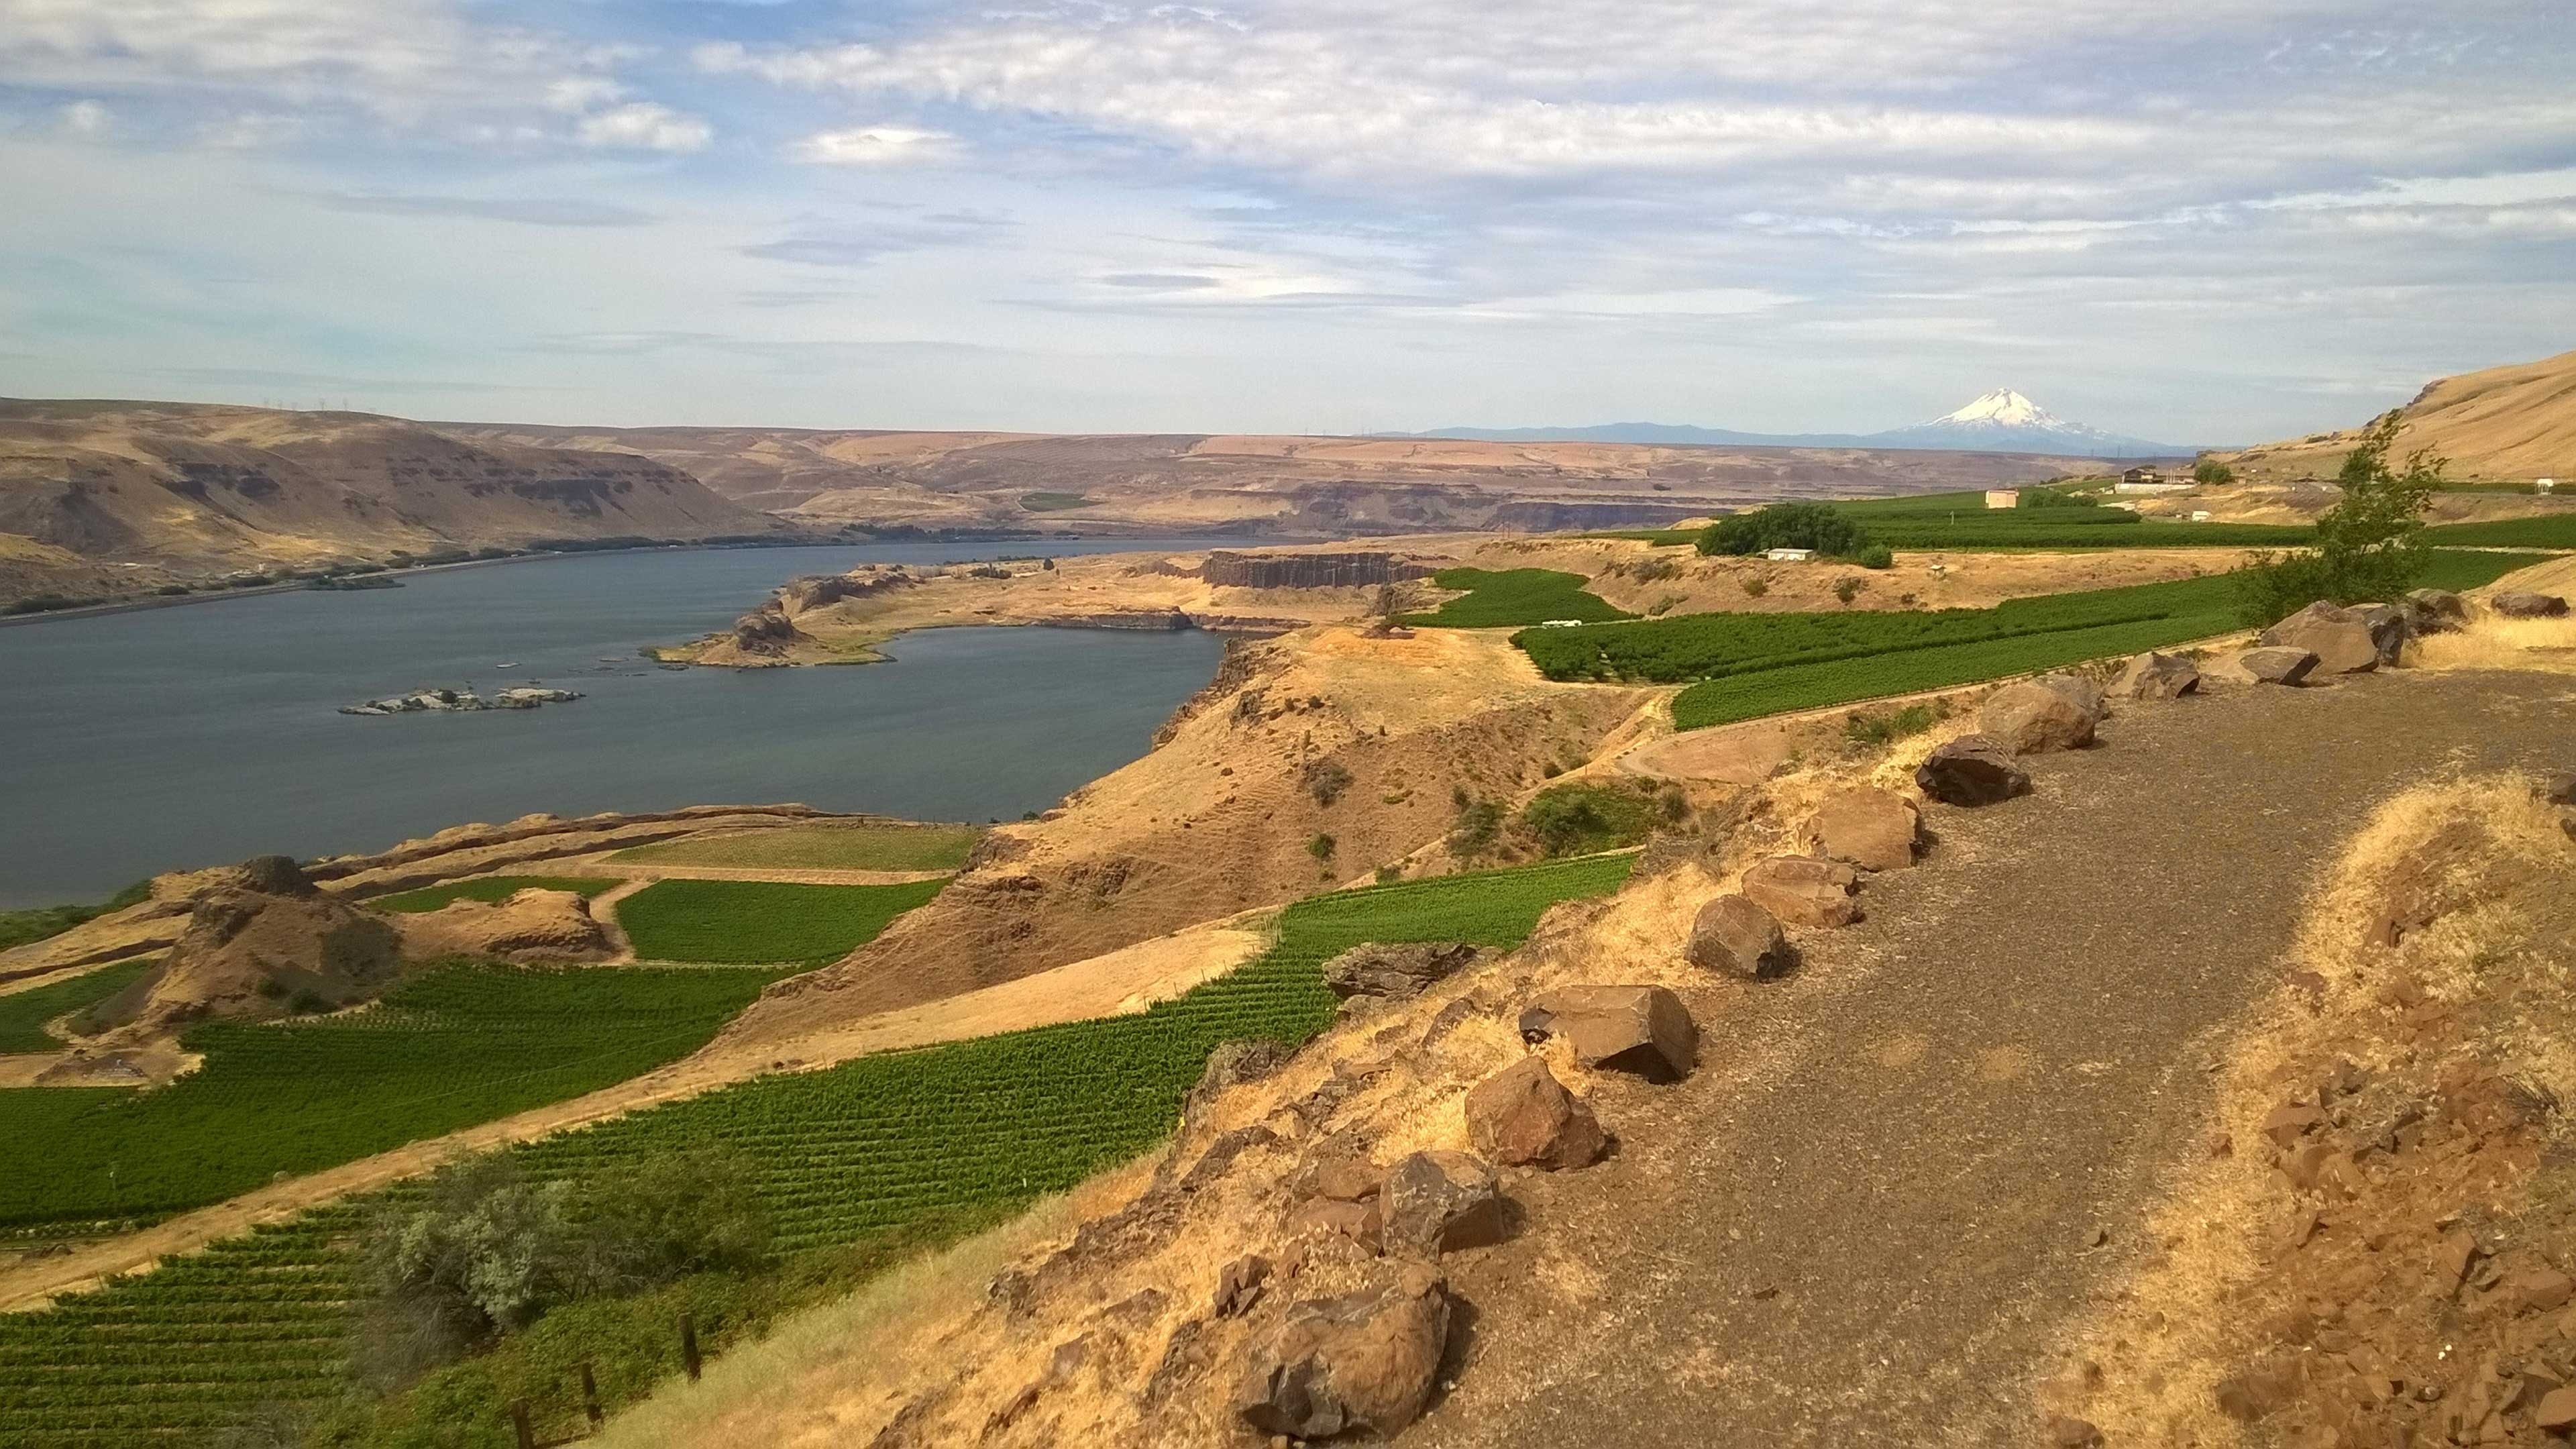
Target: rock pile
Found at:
x=1395, y=972
x=452, y=701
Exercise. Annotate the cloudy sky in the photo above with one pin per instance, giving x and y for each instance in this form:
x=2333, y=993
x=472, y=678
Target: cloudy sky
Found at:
x=2217, y=221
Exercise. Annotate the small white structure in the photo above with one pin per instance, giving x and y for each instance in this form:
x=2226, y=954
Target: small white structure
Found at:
x=2003, y=498
x=2544, y=485
x=1560, y=623
x=2200, y=515
x=1790, y=555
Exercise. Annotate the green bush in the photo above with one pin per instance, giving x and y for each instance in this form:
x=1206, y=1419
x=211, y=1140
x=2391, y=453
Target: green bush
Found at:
x=1872, y=730
x=1876, y=556
x=2051, y=498
x=1321, y=847
x=1784, y=525
x=1583, y=818
x=2210, y=470
x=2370, y=545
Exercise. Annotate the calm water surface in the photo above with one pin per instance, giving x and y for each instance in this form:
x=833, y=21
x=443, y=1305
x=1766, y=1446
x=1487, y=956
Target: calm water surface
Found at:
x=182, y=737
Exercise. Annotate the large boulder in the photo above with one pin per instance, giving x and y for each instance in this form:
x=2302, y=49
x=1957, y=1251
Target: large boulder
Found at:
x=533, y=926
x=1361, y=1363
x=1971, y=770
x=1870, y=828
x=1396, y=971
x=1522, y=1116
x=2340, y=638
x=1803, y=891
x=2527, y=605
x=2433, y=611
x=1733, y=935
x=1435, y=1202
x=2037, y=715
x=2389, y=629
x=2156, y=676
x=2277, y=665
x=1641, y=1029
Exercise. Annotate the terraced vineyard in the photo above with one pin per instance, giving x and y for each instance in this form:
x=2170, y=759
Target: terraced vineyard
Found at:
x=751, y=921
x=23, y=1014
x=489, y=888
x=1961, y=521
x=1499, y=599
x=1752, y=665
x=877, y=1143
x=455, y=1046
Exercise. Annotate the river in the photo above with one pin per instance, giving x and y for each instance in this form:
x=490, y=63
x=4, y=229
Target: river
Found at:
x=182, y=737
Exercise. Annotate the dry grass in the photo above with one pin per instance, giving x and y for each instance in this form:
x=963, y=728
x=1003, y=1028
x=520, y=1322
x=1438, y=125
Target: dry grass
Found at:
x=2494, y=642
x=2206, y=1303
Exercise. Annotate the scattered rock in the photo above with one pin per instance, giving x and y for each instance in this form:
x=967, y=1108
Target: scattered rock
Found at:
x=1641, y=1029
x=2433, y=611
x=2156, y=676
x=1395, y=972
x=2067, y=1432
x=2389, y=629
x=1359, y=1363
x=2528, y=606
x=1522, y=1116
x=1872, y=829
x=2539, y=1290
x=1802, y=891
x=1733, y=935
x=1435, y=1202
x=1971, y=770
x=2040, y=715
x=2560, y=791
x=2454, y=1256
x=1331, y=1217
x=1232, y=1063
x=2259, y=1392
x=2557, y=1411
x=2277, y=665
x=2339, y=638
x=1240, y=1285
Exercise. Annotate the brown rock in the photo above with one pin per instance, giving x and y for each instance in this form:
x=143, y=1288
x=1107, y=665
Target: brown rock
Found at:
x=2453, y=1257
x=1522, y=1116
x=1396, y=971
x=2259, y=1392
x=2156, y=676
x=1641, y=1029
x=1802, y=891
x=2287, y=1124
x=1240, y=1285
x=1971, y=770
x=1733, y=935
x=2539, y=1290
x=2560, y=791
x=2036, y=716
x=2339, y=638
x=1435, y=1202
x=532, y=927
x=1362, y=1363
x=2277, y=666
x=2527, y=605
x=2065, y=1431
x=2557, y=1411
x=1331, y=1217
x=2431, y=611
x=1872, y=829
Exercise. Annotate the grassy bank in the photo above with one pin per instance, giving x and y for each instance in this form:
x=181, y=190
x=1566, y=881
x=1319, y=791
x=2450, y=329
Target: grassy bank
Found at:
x=1504, y=598
x=23, y=1014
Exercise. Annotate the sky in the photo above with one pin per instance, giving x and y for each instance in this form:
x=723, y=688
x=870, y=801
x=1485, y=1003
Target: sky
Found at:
x=2223, y=221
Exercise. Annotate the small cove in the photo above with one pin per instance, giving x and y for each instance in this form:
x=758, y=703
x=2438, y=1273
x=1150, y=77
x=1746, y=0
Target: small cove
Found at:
x=169, y=738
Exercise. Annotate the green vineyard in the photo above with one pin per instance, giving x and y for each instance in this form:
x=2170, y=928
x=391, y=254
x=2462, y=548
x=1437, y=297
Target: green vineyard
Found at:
x=868, y=1148
x=455, y=1046
x=23, y=1014
x=1751, y=665
x=748, y=922
x=1502, y=599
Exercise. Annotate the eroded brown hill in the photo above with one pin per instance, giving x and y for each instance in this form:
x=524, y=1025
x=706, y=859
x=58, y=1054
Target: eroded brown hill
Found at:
x=2516, y=422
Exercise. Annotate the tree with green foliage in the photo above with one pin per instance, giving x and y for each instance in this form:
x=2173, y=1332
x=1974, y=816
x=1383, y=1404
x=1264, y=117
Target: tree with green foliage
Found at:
x=2051, y=498
x=2369, y=546
x=1876, y=556
x=2210, y=470
x=1784, y=525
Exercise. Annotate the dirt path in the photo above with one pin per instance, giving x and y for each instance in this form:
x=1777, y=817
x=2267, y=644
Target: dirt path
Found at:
x=1865, y=1218
x=1121, y=981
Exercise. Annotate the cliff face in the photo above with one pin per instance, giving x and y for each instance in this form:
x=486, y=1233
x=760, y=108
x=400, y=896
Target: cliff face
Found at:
x=210, y=489
x=1307, y=570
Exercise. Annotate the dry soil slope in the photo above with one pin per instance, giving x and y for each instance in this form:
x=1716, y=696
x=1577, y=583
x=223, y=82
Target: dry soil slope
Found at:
x=210, y=487
x=2515, y=422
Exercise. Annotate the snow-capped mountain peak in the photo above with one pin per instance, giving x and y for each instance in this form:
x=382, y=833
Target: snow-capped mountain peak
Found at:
x=2005, y=408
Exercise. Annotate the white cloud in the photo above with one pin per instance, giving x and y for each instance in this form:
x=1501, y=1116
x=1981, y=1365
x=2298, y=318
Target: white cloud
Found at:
x=88, y=120
x=645, y=125
x=877, y=146
x=249, y=131
x=575, y=94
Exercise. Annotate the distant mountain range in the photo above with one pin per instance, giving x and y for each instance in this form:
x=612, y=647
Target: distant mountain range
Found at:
x=2001, y=421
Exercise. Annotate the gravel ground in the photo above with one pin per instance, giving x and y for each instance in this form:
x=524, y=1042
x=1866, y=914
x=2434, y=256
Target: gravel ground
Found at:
x=1901, y=1171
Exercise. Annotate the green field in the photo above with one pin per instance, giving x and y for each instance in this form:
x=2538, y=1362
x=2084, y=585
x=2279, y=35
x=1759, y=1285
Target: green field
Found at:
x=35, y=923
x=1502, y=599
x=751, y=921
x=490, y=888
x=1961, y=521
x=879, y=1145
x=23, y=1014
x=455, y=1046
x=1052, y=502
x=1752, y=665
x=2549, y=530
x=819, y=847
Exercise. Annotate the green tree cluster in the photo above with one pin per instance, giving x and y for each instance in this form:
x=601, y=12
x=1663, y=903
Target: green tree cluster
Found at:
x=2369, y=546
x=1784, y=525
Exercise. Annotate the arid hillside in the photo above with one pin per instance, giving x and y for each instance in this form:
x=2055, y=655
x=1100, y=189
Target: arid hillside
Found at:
x=185, y=490
x=2512, y=423
x=1287, y=485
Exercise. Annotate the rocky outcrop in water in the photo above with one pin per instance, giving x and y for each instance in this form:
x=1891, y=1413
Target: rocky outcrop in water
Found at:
x=457, y=701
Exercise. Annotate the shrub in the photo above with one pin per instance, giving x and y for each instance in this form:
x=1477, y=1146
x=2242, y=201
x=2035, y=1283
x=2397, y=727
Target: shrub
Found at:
x=2368, y=546
x=1326, y=780
x=1783, y=525
x=2051, y=498
x=1582, y=818
x=1848, y=589
x=1756, y=588
x=1478, y=825
x=1871, y=729
x=2210, y=470
x=1876, y=556
x=1321, y=847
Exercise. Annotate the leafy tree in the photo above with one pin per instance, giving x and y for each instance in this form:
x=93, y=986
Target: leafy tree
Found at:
x=2369, y=545
x=1876, y=556
x=2210, y=470
x=1784, y=525
x=2051, y=498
